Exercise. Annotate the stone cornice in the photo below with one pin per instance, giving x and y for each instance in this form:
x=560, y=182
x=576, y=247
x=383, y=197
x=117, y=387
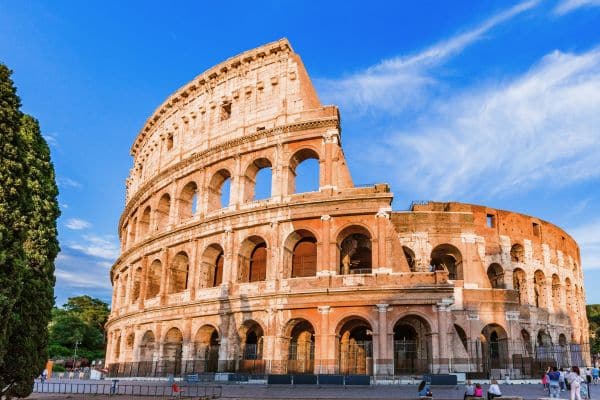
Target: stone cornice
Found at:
x=204, y=82
x=294, y=127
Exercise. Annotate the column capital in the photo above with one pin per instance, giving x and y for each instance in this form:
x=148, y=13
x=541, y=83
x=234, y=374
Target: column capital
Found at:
x=384, y=212
x=382, y=308
x=331, y=136
x=325, y=217
x=324, y=309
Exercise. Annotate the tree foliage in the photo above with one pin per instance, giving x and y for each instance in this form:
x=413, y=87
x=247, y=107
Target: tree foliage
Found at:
x=81, y=321
x=29, y=258
x=593, y=315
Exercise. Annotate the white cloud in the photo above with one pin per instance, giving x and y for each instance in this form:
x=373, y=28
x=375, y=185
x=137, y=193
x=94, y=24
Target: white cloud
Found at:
x=77, y=224
x=81, y=279
x=588, y=238
x=68, y=182
x=104, y=247
x=51, y=139
x=566, y=6
x=541, y=127
x=397, y=83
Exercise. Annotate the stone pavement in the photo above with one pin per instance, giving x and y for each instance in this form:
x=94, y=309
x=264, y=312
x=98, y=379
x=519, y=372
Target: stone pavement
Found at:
x=276, y=392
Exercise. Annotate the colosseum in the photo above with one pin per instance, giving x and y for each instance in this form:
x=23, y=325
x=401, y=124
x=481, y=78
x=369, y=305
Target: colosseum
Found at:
x=215, y=279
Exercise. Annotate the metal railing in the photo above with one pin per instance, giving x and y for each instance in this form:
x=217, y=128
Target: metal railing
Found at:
x=132, y=389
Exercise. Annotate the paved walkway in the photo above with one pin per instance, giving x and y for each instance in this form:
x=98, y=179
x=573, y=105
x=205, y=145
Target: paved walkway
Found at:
x=275, y=392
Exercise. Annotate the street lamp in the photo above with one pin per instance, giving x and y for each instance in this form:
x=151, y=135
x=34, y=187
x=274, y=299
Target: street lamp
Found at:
x=77, y=342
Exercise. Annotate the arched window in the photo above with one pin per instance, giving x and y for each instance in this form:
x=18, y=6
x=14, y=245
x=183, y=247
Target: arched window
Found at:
x=206, y=348
x=252, y=260
x=540, y=289
x=211, y=272
x=520, y=285
x=252, y=341
x=495, y=274
x=144, y=225
x=556, y=288
x=219, y=190
x=188, y=201
x=137, y=283
x=301, y=350
x=304, y=172
x=132, y=229
x=258, y=263
x=154, y=277
x=446, y=257
x=517, y=253
x=178, y=273
x=147, y=347
x=257, y=180
x=162, y=212
x=412, y=345
x=355, y=251
x=409, y=255
x=356, y=347
x=304, y=258
x=118, y=347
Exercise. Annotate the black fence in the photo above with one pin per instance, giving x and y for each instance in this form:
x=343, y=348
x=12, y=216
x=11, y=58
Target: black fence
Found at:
x=132, y=389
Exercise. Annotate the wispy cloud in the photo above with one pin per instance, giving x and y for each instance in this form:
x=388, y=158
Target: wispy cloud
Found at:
x=103, y=247
x=77, y=224
x=68, y=182
x=399, y=82
x=566, y=6
x=52, y=140
x=81, y=279
x=539, y=127
x=588, y=238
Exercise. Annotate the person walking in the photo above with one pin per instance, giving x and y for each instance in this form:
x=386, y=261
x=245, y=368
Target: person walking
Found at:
x=575, y=380
x=554, y=382
x=494, y=390
x=561, y=379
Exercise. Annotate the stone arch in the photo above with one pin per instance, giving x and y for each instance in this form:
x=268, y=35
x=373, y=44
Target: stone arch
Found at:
x=251, y=335
x=179, y=271
x=544, y=348
x=300, y=347
x=188, y=201
x=410, y=257
x=118, y=347
x=129, y=342
x=355, y=343
x=206, y=349
x=162, y=212
x=298, y=158
x=562, y=350
x=520, y=285
x=147, y=348
x=132, y=228
x=300, y=254
x=495, y=275
x=216, y=195
x=172, y=350
x=144, y=225
x=137, y=285
x=556, y=289
x=412, y=345
x=253, y=178
x=460, y=332
x=446, y=257
x=211, y=268
x=517, y=253
x=253, y=257
x=355, y=250
x=494, y=343
x=539, y=289
x=154, y=279
x=526, y=339
x=568, y=295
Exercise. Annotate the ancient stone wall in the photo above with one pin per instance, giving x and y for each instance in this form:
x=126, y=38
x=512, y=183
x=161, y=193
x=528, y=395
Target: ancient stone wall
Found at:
x=329, y=281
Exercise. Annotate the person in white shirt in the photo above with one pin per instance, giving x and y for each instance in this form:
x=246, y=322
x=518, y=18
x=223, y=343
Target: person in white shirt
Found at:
x=575, y=381
x=494, y=390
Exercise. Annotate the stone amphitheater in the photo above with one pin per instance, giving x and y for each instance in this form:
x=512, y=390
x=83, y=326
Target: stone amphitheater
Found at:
x=331, y=281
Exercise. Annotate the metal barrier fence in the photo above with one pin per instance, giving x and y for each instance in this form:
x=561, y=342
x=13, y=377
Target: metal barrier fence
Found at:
x=133, y=389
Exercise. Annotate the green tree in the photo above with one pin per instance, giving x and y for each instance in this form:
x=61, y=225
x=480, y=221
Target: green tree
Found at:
x=93, y=312
x=27, y=333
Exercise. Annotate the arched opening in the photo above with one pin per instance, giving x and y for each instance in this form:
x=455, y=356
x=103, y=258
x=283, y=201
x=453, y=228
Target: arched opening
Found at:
x=132, y=229
x=563, y=358
x=409, y=255
x=539, y=289
x=252, y=347
x=568, y=295
x=520, y=285
x=144, y=225
x=495, y=274
x=462, y=336
x=219, y=190
x=118, y=348
x=494, y=347
x=129, y=347
x=556, y=288
x=172, y=351
x=253, y=260
x=356, y=347
x=300, y=254
x=446, y=257
x=162, y=212
x=188, y=201
x=526, y=339
x=211, y=271
x=412, y=346
x=304, y=172
x=123, y=286
x=137, y=284
x=301, y=349
x=147, y=354
x=355, y=251
x=179, y=273
x=206, y=347
x=517, y=253
x=544, y=350
x=257, y=180
x=154, y=277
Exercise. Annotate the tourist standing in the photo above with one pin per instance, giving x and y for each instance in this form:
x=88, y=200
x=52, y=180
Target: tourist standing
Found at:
x=554, y=382
x=545, y=381
x=575, y=380
x=494, y=390
x=469, y=389
x=561, y=379
x=595, y=374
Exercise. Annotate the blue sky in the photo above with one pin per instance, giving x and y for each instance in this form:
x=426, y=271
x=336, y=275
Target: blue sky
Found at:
x=488, y=102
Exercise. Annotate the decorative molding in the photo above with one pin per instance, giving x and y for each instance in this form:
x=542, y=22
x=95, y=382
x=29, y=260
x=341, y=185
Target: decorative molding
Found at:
x=325, y=217
x=383, y=308
x=324, y=309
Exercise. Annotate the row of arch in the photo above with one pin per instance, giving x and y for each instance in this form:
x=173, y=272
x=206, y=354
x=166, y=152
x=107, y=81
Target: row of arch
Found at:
x=256, y=184
x=565, y=296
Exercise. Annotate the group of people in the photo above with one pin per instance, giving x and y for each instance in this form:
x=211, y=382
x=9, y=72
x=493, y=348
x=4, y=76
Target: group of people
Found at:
x=476, y=390
x=558, y=380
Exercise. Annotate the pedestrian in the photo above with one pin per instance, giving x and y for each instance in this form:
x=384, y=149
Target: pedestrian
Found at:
x=545, y=381
x=478, y=390
x=424, y=390
x=595, y=374
x=44, y=375
x=575, y=380
x=494, y=390
x=554, y=382
x=561, y=379
x=469, y=389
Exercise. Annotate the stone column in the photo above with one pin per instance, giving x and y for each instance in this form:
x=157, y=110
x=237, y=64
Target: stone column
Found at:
x=143, y=282
x=164, y=276
x=325, y=364
x=229, y=262
x=383, y=361
x=380, y=261
x=193, y=270
x=324, y=266
x=188, y=345
x=443, y=314
x=331, y=142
